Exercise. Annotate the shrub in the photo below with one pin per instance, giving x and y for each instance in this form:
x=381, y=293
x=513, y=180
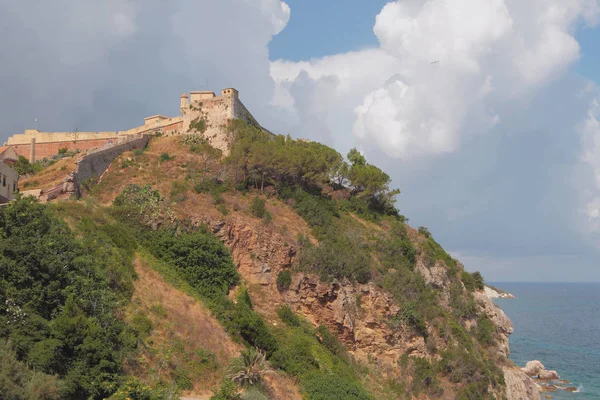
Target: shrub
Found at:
x=424, y=375
x=324, y=386
x=410, y=316
x=336, y=257
x=178, y=190
x=166, y=157
x=268, y=218
x=468, y=281
x=222, y=209
x=257, y=208
x=478, y=280
x=287, y=316
x=424, y=231
x=331, y=342
x=138, y=152
x=63, y=151
x=485, y=330
x=284, y=280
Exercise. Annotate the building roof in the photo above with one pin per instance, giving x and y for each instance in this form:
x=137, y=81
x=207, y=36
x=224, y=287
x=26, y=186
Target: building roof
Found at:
x=3, y=149
x=184, y=95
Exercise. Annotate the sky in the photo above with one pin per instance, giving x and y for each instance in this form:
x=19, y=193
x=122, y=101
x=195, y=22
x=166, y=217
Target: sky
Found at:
x=495, y=148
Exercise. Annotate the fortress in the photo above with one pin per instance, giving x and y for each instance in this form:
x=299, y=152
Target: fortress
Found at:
x=201, y=113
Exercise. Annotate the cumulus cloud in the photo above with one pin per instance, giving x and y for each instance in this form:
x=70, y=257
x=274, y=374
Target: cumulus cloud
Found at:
x=483, y=144
x=105, y=65
x=490, y=52
x=590, y=130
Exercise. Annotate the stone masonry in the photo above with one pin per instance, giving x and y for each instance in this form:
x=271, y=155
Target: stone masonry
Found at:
x=202, y=110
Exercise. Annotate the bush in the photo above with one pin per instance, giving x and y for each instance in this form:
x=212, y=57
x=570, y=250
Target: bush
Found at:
x=424, y=231
x=409, y=315
x=424, y=375
x=468, y=281
x=478, y=280
x=324, y=386
x=287, y=316
x=284, y=280
x=257, y=208
x=336, y=257
x=166, y=157
x=331, y=342
x=485, y=330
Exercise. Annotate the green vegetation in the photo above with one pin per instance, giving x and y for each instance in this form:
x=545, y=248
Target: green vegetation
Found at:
x=61, y=296
x=24, y=167
x=284, y=280
x=248, y=369
x=257, y=208
x=472, y=281
x=198, y=125
x=62, y=331
x=166, y=157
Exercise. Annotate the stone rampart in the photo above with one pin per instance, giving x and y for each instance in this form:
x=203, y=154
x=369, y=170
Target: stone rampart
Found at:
x=48, y=144
x=97, y=161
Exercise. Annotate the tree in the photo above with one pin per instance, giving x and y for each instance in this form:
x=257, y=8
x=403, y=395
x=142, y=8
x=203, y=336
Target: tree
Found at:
x=372, y=183
x=478, y=280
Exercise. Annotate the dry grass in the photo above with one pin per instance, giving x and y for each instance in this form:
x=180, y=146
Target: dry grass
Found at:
x=50, y=176
x=182, y=329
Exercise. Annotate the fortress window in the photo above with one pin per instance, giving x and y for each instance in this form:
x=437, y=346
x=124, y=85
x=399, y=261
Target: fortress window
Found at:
x=4, y=180
x=14, y=187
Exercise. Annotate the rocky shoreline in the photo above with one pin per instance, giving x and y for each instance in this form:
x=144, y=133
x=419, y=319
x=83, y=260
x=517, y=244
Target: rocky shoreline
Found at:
x=546, y=380
x=495, y=293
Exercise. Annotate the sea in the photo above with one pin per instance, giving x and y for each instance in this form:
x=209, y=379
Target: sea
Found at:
x=559, y=325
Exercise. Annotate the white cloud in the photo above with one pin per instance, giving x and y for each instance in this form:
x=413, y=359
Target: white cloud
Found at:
x=591, y=157
x=490, y=53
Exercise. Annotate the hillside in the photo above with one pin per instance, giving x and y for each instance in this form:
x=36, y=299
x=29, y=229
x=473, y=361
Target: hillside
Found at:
x=282, y=253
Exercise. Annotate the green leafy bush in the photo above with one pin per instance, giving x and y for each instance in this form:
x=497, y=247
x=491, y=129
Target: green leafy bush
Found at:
x=284, y=280
x=257, y=208
x=323, y=386
x=287, y=316
x=166, y=157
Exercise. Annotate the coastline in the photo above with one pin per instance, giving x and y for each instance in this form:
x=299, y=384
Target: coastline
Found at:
x=532, y=381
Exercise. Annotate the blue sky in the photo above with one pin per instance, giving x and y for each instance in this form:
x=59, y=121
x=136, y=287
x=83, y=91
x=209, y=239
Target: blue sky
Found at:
x=320, y=28
x=496, y=149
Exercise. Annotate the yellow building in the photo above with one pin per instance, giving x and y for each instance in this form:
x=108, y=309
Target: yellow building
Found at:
x=8, y=176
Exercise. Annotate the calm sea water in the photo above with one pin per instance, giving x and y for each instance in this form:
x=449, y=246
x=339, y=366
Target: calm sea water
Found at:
x=558, y=324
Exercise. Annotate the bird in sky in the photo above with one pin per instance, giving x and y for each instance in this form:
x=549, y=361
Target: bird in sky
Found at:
x=435, y=62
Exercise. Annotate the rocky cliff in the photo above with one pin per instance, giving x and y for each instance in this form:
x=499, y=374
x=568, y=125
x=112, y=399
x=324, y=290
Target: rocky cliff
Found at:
x=358, y=313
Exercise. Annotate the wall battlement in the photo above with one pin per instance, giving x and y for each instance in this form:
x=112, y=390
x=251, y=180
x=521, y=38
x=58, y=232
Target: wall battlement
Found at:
x=201, y=112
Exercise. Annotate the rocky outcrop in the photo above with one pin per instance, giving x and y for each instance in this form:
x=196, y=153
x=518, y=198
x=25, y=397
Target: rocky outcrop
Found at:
x=548, y=375
x=361, y=316
x=499, y=319
x=435, y=276
x=492, y=293
x=533, y=368
x=519, y=386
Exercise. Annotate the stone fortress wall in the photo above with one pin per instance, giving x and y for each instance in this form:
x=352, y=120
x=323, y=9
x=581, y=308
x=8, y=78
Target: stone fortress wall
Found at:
x=200, y=109
x=47, y=144
x=208, y=114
